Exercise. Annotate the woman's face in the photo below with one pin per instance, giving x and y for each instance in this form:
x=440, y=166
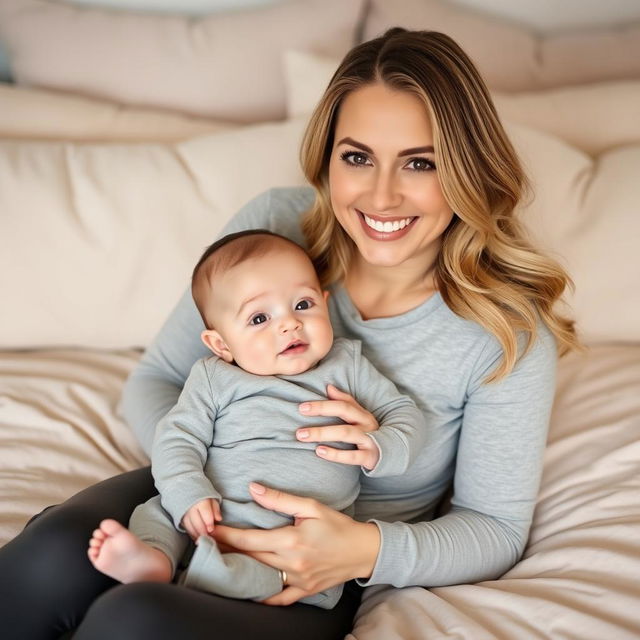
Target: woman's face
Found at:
x=383, y=181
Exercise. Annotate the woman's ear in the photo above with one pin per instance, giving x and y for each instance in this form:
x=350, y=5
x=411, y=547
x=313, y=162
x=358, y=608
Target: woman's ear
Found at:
x=214, y=341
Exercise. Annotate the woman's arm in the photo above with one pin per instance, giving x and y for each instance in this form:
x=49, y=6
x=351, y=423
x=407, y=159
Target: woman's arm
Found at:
x=497, y=476
x=496, y=482
x=155, y=384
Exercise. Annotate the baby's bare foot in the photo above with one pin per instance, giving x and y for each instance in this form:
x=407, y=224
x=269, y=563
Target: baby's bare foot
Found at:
x=118, y=553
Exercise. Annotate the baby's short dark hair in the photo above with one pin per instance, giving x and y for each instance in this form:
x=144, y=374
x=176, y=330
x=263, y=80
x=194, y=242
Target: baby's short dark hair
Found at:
x=226, y=253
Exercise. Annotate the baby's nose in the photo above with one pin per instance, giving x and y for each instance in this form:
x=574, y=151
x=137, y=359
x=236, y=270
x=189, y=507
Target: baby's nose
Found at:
x=290, y=323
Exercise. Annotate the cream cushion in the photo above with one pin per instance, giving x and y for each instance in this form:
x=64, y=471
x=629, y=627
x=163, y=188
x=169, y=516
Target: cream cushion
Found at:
x=585, y=214
x=98, y=240
x=27, y=113
x=306, y=77
x=514, y=58
x=592, y=117
x=224, y=66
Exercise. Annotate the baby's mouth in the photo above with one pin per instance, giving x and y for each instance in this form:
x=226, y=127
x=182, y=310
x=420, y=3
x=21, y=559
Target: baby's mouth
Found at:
x=295, y=346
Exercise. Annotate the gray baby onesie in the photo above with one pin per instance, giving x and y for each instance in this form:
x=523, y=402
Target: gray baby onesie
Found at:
x=231, y=427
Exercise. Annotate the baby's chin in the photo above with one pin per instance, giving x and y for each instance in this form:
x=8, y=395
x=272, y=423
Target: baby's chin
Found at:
x=288, y=367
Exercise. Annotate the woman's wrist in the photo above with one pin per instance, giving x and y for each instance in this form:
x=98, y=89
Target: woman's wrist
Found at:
x=368, y=541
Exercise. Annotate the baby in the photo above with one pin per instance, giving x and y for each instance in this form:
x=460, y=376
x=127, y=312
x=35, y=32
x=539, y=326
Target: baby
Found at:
x=267, y=322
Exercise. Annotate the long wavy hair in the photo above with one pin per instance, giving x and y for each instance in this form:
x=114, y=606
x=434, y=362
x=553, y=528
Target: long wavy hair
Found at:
x=487, y=271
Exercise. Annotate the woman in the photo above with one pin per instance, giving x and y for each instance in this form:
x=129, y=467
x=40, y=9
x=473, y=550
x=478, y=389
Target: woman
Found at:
x=411, y=223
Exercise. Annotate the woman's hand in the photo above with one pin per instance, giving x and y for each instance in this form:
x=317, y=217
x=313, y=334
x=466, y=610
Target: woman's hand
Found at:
x=322, y=549
x=359, y=423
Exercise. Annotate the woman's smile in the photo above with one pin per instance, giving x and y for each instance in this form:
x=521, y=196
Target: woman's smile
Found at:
x=387, y=227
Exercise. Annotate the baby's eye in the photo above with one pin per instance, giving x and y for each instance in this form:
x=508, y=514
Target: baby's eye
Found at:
x=303, y=305
x=354, y=158
x=421, y=164
x=259, y=318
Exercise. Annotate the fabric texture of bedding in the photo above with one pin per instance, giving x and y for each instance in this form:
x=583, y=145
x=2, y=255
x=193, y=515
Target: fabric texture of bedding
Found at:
x=60, y=428
x=579, y=575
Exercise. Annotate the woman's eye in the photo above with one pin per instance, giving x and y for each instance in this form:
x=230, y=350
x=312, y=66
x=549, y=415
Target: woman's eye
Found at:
x=259, y=318
x=421, y=164
x=303, y=305
x=354, y=158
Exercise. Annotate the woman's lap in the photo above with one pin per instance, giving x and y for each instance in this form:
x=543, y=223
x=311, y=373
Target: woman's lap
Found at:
x=168, y=611
x=47, y=580
x=48, y=584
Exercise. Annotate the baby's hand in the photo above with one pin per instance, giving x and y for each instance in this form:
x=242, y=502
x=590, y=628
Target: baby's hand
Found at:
x=201, y=518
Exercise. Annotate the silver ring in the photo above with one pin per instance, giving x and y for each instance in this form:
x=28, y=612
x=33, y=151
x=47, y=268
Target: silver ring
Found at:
x=283, y=577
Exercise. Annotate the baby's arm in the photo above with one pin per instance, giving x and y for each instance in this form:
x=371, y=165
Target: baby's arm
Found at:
x=402, y=428
x=180, y=450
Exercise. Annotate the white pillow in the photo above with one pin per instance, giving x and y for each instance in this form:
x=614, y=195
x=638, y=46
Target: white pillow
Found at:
x=52, y=115
x=512, y=57
x=592, y=117
x=306, y=77
x=585, y=214
x=97, y=241
x=225, y=66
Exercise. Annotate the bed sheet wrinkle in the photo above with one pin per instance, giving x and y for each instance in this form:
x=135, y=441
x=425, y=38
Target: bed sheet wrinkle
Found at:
x=61, y=430
x=578, y=577
x=60, y=427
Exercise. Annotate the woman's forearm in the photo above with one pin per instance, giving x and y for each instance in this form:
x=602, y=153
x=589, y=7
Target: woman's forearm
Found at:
x=462, y=547
x=146, y=398
x=155, y=384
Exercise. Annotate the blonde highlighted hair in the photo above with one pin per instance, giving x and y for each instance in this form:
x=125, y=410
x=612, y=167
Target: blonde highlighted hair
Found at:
x=486, y=271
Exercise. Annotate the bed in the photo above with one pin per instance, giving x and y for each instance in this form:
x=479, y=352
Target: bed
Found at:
x=125, y=148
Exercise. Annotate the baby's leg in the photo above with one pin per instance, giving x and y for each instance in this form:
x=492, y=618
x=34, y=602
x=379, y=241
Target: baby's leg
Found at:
x=236, y=575
x=232, y=575
x=118, y=553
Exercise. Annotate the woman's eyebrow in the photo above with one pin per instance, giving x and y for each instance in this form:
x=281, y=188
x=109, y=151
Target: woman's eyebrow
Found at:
x=406, y=152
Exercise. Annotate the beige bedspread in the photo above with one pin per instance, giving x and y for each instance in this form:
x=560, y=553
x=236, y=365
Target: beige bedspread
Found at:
x=60, y=430
x=580, y=576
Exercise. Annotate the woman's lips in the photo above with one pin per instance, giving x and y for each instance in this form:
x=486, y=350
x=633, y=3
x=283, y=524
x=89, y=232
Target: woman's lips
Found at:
x=385, y=235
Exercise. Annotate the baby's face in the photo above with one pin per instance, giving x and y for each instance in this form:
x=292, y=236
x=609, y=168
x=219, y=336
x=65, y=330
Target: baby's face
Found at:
x=270, y=314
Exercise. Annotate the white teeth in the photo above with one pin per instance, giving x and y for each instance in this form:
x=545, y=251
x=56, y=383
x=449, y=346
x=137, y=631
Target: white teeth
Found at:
x=386, y=227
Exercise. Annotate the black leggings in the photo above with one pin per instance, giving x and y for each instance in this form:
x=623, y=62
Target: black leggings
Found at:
x=48, y=586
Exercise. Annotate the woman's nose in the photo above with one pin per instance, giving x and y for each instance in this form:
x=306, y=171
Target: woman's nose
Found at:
x=386, y=194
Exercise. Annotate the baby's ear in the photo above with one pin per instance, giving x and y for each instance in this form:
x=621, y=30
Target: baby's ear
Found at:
x=214, y=341
x=326, y=295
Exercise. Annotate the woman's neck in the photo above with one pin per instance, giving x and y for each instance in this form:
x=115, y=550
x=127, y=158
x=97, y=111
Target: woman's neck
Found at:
x=380, y=292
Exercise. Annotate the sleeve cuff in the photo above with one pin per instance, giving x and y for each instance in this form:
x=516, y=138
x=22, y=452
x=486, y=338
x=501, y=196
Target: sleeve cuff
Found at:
x=394, y=454
x=179, y=501
x=391, y=558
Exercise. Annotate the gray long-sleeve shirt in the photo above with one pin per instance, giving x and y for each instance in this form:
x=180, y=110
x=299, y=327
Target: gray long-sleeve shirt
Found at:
x=230, y=427
x=487, y=438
